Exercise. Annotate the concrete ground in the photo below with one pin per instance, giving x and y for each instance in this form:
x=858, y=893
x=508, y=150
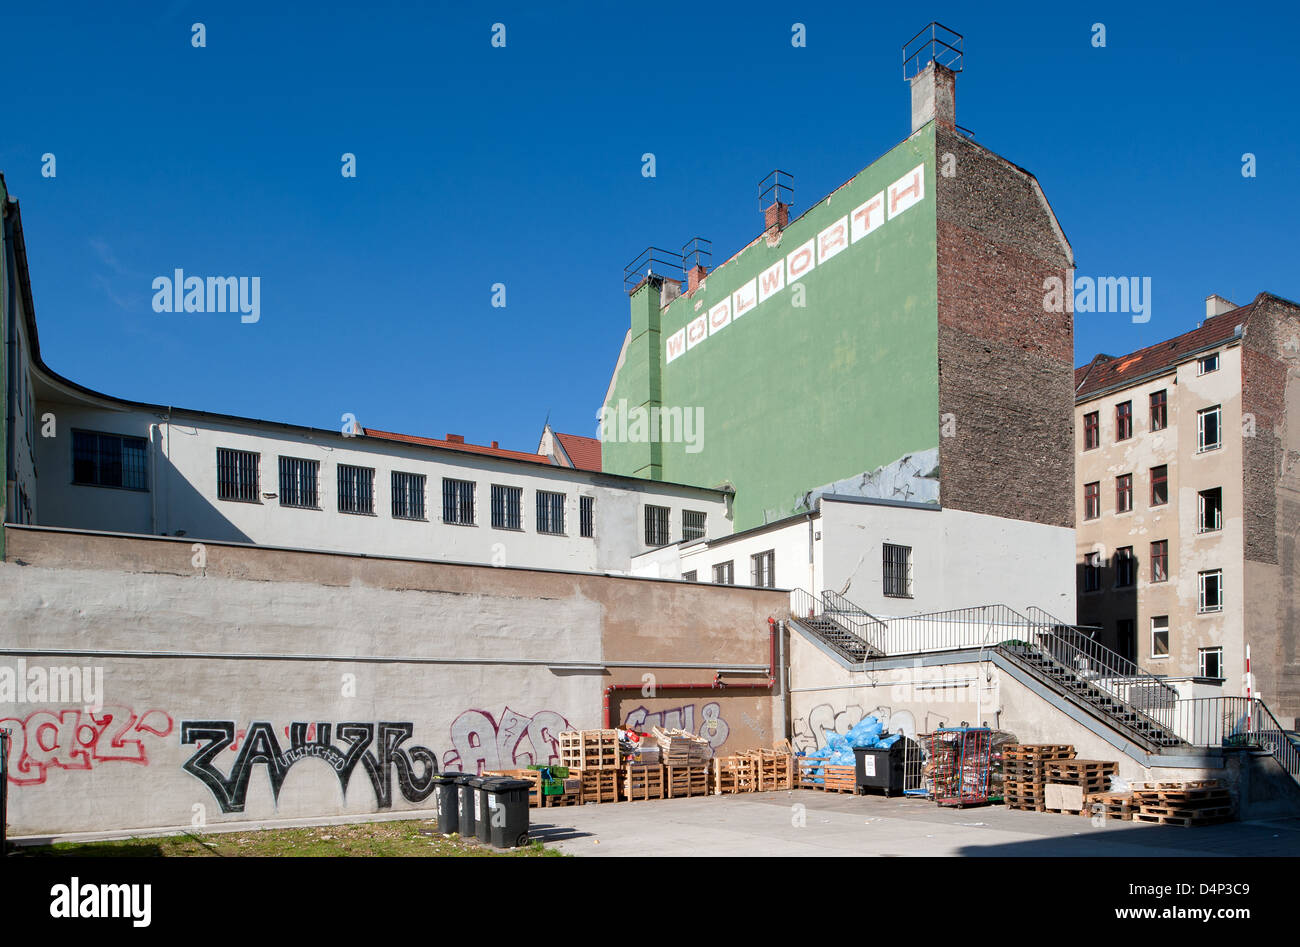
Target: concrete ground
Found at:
x=806, y=822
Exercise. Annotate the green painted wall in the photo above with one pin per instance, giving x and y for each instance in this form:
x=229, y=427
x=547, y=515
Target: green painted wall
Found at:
x=5, y=250
x=794, y=398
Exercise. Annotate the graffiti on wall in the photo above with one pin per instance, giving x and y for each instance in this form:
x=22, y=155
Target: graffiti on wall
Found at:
x=414, y=766
x=79, y=740
x=709, y=723
x=808, y=729
x=480, y=743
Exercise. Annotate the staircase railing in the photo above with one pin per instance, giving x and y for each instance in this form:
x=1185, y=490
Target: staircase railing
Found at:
x=1235, y=721
x=852, y=622
x=857, y=619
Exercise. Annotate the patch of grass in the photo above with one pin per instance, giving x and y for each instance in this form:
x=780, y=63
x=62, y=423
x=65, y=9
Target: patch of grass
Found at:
x=414, y=838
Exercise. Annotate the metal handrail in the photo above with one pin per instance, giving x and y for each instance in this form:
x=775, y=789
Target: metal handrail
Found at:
x=805, y=605
x=858, y=620
x=1235, y=721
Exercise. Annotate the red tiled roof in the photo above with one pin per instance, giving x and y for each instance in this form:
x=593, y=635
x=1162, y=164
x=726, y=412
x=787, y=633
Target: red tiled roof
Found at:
x=583, y=451
x=1105, y=372
x=458, y=446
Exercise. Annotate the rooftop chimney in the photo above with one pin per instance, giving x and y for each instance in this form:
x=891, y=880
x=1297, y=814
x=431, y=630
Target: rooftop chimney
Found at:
x=931, y=60
x=695, y=255
x=694, y=277
x=1216, y=305
x=455, y=438
x=774, y=201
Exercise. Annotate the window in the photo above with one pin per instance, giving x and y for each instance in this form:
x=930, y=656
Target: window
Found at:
x=1091, y=500
x=458, y=501
x=1209, y=516
x=762, y=570
x=1091, y=431
x=1124, y=493
x=356, y=489
x=550, y=512
x=1212, y=662
x=692, y=525
x=1125, y=567
x=110, y=460
x=408, y=496
x=1092, y=572
x=1159, y=410
x=656, y=525
x=689, y=576
x=1124, y=421
x=1160, y=485
x=1211, y=589
x=897, y=570
x=724, y=573
x=1160, y=636
x=1209, y=429
x=586, y=516
x=507, y=507
x=298, y=479
x=1160, y=561
x=237, y=475
x=1207, y=363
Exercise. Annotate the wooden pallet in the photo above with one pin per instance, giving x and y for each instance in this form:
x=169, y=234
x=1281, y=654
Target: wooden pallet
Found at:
x=1022, y=806
x=532, y=775
x=775, y=771
x=1187, y=821
x=1037, y=752
x=1110, y=805
x=1065, y=811
x=573, y=798
x=1183, y=797
x=643, y=781
x=599, y=785
x=733, y=774
x=589, y=749
x=841, y=778
x=1176, y=784
x=687, y=781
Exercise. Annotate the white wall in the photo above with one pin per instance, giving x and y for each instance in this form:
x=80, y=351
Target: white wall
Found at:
x=789, y=540
x=183, y=495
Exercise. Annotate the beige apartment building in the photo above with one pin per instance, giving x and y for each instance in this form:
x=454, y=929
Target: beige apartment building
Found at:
x=1188, y=493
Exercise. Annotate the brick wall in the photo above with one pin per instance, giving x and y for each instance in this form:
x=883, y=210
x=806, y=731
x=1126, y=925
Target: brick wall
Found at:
x=1005, y=364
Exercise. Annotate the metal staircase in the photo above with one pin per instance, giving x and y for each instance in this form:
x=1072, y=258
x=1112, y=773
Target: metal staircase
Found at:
x=1059, y=655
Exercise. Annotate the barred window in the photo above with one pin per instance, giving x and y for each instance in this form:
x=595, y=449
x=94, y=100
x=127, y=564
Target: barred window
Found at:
x=762, y=570
x=507, y=507
x=237, y=475
x=458, y=501
x=550, y=512
x=724, y=573
x=110, y=460
x=689, y=576
x=356, y=489
x=298, y=479
x=692, y=525
x=408, y=496
x=898, y=571
x=656, y=525
x=586, y=516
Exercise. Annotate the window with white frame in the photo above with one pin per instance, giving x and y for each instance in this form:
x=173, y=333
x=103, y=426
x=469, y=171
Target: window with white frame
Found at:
x=408, y=496
x=356, y=489
x=1160, y=636
x=507, y=507
x=1209, y=514
x=458, y=501
x=656, y=525
x=897, y=570
x=299, y=482
x=1209, y=428
x=550, y=512
x=1211, y=591
x=692, y=525
x=762, y=570
x=1212, y=662
x=1207, y=363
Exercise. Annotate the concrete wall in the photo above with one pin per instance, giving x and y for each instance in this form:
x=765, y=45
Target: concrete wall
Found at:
x=448, y=665
x=182, y=499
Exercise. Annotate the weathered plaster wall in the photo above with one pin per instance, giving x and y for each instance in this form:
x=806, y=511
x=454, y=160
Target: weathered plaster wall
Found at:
x=446, y=664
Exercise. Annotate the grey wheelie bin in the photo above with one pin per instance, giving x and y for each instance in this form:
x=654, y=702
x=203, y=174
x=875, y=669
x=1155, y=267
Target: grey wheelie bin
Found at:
x=448, y=802
x=505, y=812
x=467, y=787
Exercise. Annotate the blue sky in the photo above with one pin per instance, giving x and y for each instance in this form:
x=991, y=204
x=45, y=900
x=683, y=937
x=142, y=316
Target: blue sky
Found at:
x=479, y=165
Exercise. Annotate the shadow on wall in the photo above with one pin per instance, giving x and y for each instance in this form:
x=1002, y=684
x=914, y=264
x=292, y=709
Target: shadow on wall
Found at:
x=184, y=511
x=1110, y=607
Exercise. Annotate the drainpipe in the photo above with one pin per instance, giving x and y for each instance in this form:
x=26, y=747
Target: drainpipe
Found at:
x=715, y=684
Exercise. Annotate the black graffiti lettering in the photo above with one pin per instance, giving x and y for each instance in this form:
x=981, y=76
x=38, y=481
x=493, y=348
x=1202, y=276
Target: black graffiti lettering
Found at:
x=416, y=766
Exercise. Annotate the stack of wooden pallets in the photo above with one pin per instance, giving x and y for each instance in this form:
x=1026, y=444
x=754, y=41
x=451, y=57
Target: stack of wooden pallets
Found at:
x=818, y=774
x=598, y=785
x=686, y=781
x=1068, y=782
x=532, y=775
x=774, y=767
x=643, y=781
x=679, y=748
x=1109, y=805
x=1023, y=773
x=1187, y=803
x=589, y=749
